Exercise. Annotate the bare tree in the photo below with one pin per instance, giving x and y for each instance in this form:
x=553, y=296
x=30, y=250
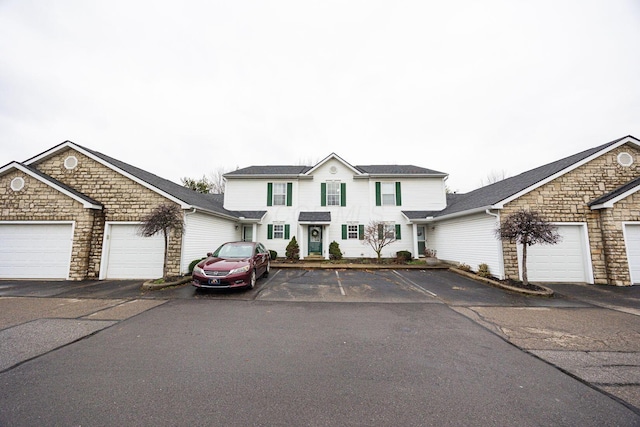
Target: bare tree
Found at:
x=216, y=178
x=162, y=219
x=378, y=235
x=493, y=177
x=527, y=228
x=202, y=185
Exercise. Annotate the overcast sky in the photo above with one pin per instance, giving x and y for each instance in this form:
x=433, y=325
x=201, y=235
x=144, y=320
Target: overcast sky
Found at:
x=185, y=88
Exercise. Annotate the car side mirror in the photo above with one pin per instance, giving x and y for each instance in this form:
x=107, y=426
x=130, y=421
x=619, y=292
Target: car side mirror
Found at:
x=209, y=254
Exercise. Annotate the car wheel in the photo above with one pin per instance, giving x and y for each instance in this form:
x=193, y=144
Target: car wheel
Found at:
x=266, y=271
x=252, y=280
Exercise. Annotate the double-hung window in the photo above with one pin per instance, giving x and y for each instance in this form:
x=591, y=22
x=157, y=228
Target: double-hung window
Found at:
x=388, y=194
x=279, y=194
x=352, y=231
x=333, y=193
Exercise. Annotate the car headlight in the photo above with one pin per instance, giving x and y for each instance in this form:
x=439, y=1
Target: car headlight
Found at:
x=198, y=270
x=240, y=269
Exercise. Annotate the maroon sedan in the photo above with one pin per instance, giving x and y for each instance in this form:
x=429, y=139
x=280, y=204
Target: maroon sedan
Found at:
x=233, y=265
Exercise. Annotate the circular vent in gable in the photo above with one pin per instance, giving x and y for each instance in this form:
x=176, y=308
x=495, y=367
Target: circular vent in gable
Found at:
x=625, y=159
x=71, y=162
x=333, y=169
x=17, y=183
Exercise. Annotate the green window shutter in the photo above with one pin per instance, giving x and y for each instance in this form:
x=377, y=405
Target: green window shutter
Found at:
x=398, y=195
x=380, y=231
x=361, y=231
x=269, y=231
x=289, y=193
x=344, y=231
x=323, y=194
x=398, y=236
x=343, y=194
x=378, y=194
x=287, y=229
x=269, y=194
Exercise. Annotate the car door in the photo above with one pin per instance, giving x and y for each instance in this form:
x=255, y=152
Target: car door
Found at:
x=260, y=260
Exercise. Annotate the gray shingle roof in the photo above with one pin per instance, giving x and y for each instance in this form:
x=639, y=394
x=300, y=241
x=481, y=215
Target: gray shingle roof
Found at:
x=501, y=190
x=270, y=170
x=314, y=217
x=208, y=202
x=291, y=170
x=397, y=170
x=419, y=214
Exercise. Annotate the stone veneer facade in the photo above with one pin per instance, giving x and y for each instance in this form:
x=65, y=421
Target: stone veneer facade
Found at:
x=122, y=199
x=565, y=199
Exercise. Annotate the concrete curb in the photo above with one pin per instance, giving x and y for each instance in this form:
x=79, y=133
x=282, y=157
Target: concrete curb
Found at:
x=354, y=266
x=150, y=286
x=545, y=293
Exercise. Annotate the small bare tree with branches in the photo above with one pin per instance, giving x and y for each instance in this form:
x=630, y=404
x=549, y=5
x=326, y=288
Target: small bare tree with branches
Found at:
x=527, y=228
x=378, y=235
x=162, y=219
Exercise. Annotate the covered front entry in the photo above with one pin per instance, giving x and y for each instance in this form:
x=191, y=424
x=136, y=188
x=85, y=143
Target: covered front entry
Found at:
x=315, y=240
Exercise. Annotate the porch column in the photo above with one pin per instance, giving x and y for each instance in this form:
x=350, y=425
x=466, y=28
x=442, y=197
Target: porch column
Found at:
x=414, y=243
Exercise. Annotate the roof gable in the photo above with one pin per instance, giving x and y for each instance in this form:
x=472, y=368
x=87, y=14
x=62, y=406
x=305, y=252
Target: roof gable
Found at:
x=86, y=201
x=185, y=197
x=327, y=159
x=498, y=194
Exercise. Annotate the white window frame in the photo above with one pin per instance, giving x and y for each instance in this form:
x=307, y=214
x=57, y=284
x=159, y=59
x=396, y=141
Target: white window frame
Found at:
x=278, y=231
x=388, y=198
x=352, y=231
x=333, y=193
x=279, y=197
x=390, y=227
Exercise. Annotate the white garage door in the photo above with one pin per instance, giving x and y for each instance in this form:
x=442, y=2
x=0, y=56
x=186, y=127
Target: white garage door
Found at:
x=35, y=251
x=632, y=241
x=566, y=261
x=130, y=256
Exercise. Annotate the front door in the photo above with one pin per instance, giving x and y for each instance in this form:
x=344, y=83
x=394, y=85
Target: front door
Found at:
x=421, y=239
x=315, y=240
x=247, y=233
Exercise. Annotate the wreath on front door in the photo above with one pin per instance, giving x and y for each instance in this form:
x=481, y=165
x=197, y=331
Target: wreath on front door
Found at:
x=315, y=233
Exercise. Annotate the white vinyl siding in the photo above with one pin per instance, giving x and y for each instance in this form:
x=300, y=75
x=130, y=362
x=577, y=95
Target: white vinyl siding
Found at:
x=35, y=250
x=565, y=261
x=469, y=239
x=632, y=243
x=204, y=233
x=126, y=255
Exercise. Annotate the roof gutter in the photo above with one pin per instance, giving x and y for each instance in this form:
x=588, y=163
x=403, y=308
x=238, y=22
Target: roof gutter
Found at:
x=483, y=209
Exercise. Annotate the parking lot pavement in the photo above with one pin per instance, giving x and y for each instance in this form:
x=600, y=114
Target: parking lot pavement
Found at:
x=343, y=286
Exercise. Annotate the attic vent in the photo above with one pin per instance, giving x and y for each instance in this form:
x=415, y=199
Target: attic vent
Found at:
x=70, y=162
x=625, y=159
x=17, y=183
x=333, y=169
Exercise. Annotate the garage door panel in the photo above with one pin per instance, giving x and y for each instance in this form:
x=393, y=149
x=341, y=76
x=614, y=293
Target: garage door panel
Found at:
x=565, y=261
x=632, y=242
x=35, y=251
x=131, y=256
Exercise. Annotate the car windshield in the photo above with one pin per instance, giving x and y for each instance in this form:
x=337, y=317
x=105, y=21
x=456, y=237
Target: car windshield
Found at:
x=234, y=251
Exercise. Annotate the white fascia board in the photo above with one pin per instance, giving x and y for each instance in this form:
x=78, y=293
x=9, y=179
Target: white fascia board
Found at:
x=69, y=144
x=329, y=157
x=417, y=220
x=213, y=213
x=465, y=213
x=15, y=165
x=270, y=176
x=566, y=170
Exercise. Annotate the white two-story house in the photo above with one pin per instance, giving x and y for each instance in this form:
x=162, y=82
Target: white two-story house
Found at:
x=334, y=201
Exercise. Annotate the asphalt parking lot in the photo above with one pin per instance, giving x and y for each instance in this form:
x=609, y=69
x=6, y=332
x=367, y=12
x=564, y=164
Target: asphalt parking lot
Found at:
x=591, y=333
